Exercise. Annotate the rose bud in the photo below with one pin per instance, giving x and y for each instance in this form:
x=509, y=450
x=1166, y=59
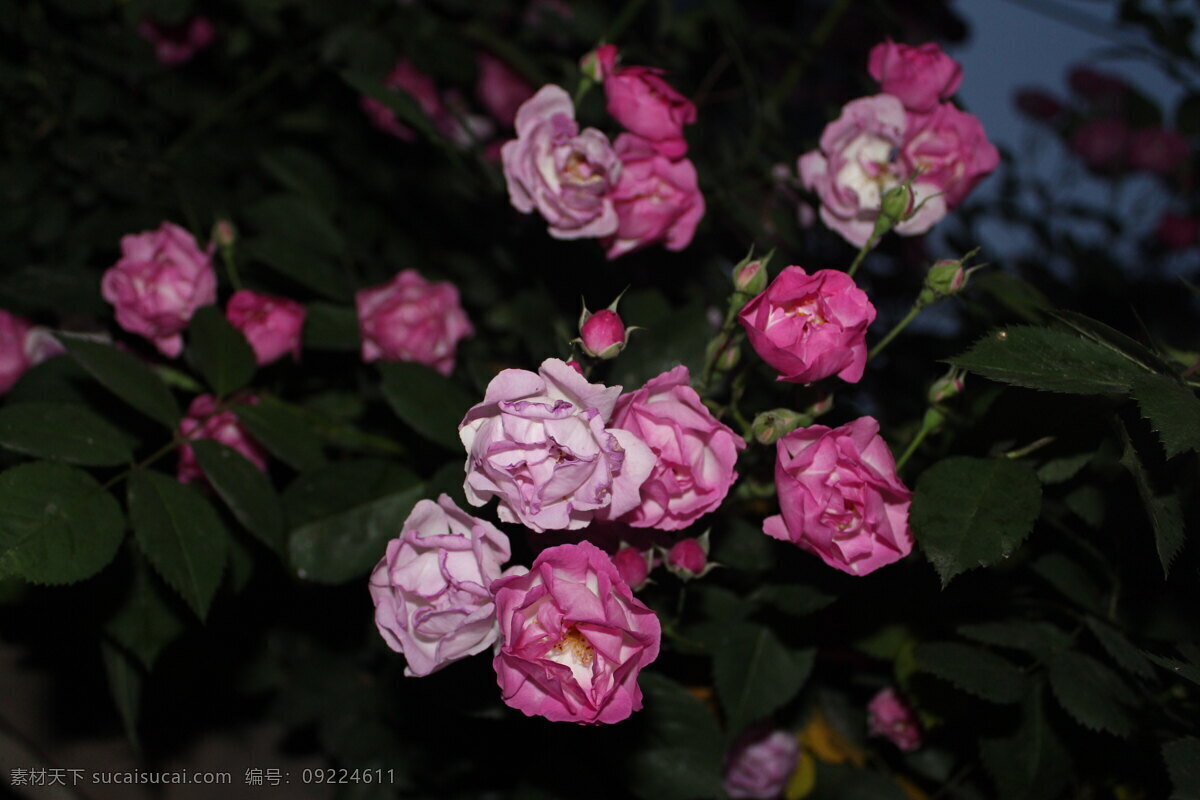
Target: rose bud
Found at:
x=688, y=558
x=224, y=234
x=633, y=565
x=599, y=63
x=770, y=425
x=920, y=76
x=575, y=365
x=890, y=717
x=750, y=274
x=603, y=334
x=947, y=387
x=270, y=324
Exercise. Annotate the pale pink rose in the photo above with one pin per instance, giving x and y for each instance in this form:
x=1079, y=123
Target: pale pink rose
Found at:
x=694, y=454
x=809, y=327
x=840, y=497
x=159, y=282
x=1177, y=231
x=541, y=443
x=573, y=638
x=270, y=324
x=951, y=150
x=760, y=763
x=688, y=556
x=431, y=589
x=603, y=334
x=920, y=76
x=204, y=421
x=892, y=718
x=656, y=199
x=1102, y=143
x=177, y=44
x=499, y=88
x=567, y=175
x=648, y=106
x=633, y=565
x=412, y=319
x=858, y=160
x=1157, y=150
x=14, y=360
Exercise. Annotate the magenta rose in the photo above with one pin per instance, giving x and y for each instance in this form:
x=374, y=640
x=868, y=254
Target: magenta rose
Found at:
x=1102, y=143
x=840, y=498
x=270, y=324
x=920, y=76
x=499, y=88
x=633, y=565
x=809, y=327
x=648, y=106
x=760, y=763
x=542, y=443
x=567, y=175
x=204, y=421
x=1157, y=150
x=890, y=717
x=573, y=638
x=431, y=589
x=656, y=199
x=159, y=282
x=177, y=44
x=14, y=359
x=694, y=454
x=951, y=150
x=412, y=319
x=859, y=158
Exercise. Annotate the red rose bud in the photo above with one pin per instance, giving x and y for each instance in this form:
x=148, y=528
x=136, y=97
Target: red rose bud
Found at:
x=688, y=558
x=633, y=566
x=603, y=334
x=575, y=365
x=599, y=63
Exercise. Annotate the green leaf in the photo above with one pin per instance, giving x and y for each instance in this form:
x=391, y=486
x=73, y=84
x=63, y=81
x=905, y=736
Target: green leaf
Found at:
x=181, y=534
x=430, y=403
x=334, y=488
x=282, y=429
x=145, y=623
x=345, y=546
x=57, y=525
x=1088, y=503
x=850, y=782
x=220, y=351
x=667, y=342
x=126, y=377
x=1173, y=412
x=795, y=599
x=1072, y=580
x=1182, y=757
x=1183, y=669
x=1091, y=693
x=63, y=432
x=303, y=173
x=1123, y=651
x=331, y=327
x=297, y=219
x=1039, y=638
x=681, y=754
x=743, y=546
x=125, y=683
x=312, y=270
x=755, y=674
x=1061, y=470
x=970, y=512
x=972, y=669
x=245, y=489
x=1119, y=343
x=1050, y=360
x=1031, y=764
x=1164, y=510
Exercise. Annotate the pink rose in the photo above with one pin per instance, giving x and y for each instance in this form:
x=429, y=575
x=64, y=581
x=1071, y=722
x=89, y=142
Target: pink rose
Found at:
x=412, y=319
x=1157, y=150
x=14, y=360
x=404, y=77
x=920, y=76
x=648, y=106
x=160, y=281
x=633, y=565
x=694, y=454
x=840, y=497
x=1177, y=231
x=810, y=326
x=656, y=199
x=1102, y=143
x=499, y=88
x=891, y=717
x=951, y=149
x=603, y=334
x=177, y=44
x=568, y=176
x=760, y=763
x=270, y=324
x=540, y=443
x=573, y=638
x=858, y=160
x=431, y=589
x=203, y=421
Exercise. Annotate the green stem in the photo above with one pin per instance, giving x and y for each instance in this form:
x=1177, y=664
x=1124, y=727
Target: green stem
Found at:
x=862, y=253
x=824, y=29
x=231, y=268
x=925, y=430
x=894, y=332
x=150, y=459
